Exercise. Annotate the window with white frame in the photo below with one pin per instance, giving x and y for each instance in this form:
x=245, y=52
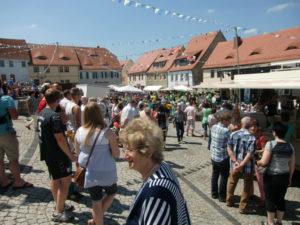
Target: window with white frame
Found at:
x=181, y=77
x=87, y=76
x=66, y=69
x=81, y=75
x=2, y=64
x=186, y=77
x=11, y=63
x=94, y=75
x=176, y=79
x=23, y=63
x=61, y=69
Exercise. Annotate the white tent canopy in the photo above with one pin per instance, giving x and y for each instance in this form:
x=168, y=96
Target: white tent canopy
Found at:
x=129, y=89
x=272, y=80
x=153, y=88
x=182, y=88
x=113, y=87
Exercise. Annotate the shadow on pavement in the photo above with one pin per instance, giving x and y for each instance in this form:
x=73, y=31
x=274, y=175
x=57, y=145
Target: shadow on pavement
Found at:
x=173, y=149
x=192, y=143
x=296, y=179
x=292, y=211
x=124, y=191
x=175, y=165
x=5, y=206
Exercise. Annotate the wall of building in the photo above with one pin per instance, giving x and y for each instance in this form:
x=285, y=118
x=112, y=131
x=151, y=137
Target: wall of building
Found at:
x=126, y=67
x=157, y=80
x=19, y=68
x=100, y=77
x=54, y=75
x=180, y=78
x=137, y=80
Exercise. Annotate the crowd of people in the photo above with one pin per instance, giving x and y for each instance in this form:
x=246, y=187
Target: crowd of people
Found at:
x=88, y=133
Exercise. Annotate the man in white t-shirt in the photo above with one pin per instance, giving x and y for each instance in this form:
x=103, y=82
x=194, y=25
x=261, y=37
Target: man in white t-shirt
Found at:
x=129, y=112
x=67, y=98
x=190, y=112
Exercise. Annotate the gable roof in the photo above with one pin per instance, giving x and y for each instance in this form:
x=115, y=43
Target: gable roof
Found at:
x=97, y=59
x=14, y=49
x=44, y=55
x=166, y=56
x=276, y=46
x=144, y=62
x=196, y=47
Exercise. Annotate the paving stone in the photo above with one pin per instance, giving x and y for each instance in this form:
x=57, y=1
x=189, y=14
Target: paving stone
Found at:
x=191, y=160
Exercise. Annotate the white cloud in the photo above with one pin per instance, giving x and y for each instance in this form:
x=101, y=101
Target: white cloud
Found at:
x=280, y=7
x=251, y=31
x=210, y=11
x=32, y=26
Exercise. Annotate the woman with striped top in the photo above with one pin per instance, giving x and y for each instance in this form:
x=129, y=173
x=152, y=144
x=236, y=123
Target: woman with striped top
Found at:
x=159, y=200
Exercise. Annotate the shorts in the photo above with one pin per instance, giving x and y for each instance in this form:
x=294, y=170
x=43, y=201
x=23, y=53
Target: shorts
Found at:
x=9, y=146
x=96, y=192
x=191, y=123
x=59, y=169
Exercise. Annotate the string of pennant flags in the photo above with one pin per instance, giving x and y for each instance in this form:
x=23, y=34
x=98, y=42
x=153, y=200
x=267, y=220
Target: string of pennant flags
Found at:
x=185, y=17
x=171, y=13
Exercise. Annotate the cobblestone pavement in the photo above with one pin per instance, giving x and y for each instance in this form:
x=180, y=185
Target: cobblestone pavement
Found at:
x=190, y=160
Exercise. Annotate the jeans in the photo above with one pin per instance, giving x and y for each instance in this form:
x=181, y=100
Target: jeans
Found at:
x=219, y=169
x=179, y=130
x=247, y=190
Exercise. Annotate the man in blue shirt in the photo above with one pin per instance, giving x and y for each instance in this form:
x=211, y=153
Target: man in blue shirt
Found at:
x=9, y=144
x=241, y=148
x=219, y=156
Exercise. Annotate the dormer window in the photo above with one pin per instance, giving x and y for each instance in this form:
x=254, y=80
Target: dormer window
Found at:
x=291, y=47
x=66, y=58
x=255, y=52
x=230, y=56
x=41, y=57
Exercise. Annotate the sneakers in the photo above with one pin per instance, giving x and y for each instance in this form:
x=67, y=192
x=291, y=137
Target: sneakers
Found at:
x=62, y=217
x=67, y=207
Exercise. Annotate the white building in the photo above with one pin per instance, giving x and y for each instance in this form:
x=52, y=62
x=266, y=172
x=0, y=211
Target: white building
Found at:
x=98, y=66
x=14, y=60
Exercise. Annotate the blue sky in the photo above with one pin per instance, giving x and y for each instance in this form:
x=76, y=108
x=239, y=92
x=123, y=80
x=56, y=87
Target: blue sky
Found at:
x=122, y=29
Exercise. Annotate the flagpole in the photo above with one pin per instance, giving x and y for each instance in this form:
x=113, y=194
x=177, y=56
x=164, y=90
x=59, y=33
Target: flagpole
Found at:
x=237, y=50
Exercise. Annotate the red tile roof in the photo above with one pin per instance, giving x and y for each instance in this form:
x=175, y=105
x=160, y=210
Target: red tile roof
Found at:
x=123, y=62
x=97, y=59
x=144, y=62
x=168, y=56
x=258, y=49
x=197, y=45
x=14, y=49
x=43, y=54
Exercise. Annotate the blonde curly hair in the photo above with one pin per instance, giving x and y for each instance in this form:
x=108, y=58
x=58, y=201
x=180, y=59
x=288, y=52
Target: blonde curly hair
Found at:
x=144, y=136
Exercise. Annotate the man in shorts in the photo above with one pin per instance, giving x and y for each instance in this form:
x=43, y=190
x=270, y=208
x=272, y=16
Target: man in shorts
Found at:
x=57, y=154
x=9, y=144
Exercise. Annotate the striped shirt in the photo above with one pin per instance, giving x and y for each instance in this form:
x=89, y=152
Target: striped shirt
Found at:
x=219, y=139
x=242, y=142
x=159, y=201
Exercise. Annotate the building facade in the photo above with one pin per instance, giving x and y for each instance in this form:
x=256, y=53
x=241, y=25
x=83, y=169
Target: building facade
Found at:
x=266, y=53
x=187, y=67
x=14, y=60
x=126, y=65
x=54, y=63
x=137, y=74
x=158, y=71
x=98, y=66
